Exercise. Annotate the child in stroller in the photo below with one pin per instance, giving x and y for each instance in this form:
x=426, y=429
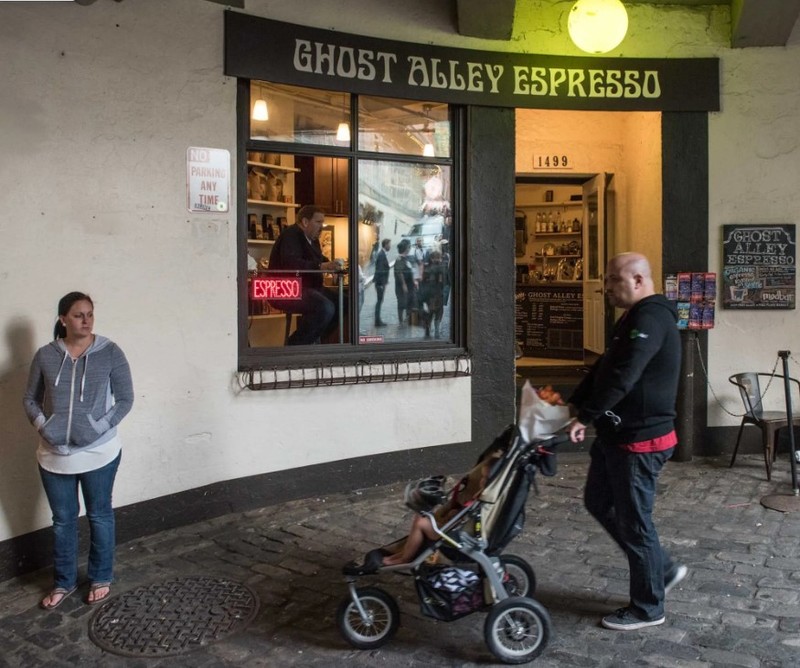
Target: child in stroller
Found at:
x=468, y=528
x=430, y=490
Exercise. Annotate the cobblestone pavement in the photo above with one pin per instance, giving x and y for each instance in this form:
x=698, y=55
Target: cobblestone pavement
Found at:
x=737, y=607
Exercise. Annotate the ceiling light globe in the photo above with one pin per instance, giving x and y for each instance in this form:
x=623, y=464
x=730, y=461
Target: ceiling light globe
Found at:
x=597, y=26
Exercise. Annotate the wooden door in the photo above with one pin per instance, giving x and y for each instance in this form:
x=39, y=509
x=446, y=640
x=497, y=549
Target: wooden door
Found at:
x=594, y=244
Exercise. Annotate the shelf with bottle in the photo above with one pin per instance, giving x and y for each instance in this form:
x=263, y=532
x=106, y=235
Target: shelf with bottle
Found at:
x=553, y=223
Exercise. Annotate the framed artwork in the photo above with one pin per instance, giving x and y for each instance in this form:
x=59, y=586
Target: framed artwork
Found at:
x=326, y=241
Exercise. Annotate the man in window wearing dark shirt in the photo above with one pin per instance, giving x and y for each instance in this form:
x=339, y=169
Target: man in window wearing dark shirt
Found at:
x=629, y=395
x=298, y=248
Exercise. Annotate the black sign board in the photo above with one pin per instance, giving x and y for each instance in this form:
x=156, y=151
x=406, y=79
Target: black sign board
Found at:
x=758, y=266
x=549, y=321
x=258, y=48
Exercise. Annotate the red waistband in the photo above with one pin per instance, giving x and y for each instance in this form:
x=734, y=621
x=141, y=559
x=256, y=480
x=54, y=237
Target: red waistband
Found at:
x=657, y=444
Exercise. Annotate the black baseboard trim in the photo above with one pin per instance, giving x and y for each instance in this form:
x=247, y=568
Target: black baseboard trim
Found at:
x=33, y=551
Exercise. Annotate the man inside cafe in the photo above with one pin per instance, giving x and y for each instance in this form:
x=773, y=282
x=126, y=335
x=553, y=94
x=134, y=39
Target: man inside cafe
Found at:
x=298, y=248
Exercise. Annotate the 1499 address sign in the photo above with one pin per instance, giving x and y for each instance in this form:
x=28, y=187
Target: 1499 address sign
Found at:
x=551, y=161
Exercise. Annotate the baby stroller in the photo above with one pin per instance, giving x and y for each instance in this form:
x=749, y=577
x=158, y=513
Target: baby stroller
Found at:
x=477, y=576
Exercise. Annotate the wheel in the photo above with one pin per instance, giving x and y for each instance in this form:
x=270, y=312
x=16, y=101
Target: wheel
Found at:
x=517, y=629
x=519, y=579
x=383, y=618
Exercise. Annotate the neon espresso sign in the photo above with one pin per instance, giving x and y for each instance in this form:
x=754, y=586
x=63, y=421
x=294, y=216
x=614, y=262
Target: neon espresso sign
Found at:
x=277, y=289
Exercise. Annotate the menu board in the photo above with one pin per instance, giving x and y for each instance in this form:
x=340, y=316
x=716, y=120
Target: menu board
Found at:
x=758, y=266
x=549, y=321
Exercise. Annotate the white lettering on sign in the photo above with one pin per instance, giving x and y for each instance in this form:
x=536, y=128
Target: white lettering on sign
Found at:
x=343, y=61
x=348, y=62
x=557, y=81
x=208, y=180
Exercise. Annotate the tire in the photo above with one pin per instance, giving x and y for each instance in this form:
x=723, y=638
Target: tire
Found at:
x=382, y=625
x=517, y=630
x=520, y=579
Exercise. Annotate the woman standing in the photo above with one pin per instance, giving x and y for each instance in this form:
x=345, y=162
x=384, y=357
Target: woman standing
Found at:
x=79, y=389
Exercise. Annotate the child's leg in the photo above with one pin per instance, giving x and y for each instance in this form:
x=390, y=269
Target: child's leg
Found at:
x=421, y=528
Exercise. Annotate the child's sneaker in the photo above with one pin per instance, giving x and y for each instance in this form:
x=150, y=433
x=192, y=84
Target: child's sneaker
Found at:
x=624, y=620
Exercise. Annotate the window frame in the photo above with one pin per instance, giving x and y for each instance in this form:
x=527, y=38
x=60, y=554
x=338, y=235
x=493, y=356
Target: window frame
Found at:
x=351, y=352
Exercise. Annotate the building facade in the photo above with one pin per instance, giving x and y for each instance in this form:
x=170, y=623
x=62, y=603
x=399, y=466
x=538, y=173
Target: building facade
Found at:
x=103, y=105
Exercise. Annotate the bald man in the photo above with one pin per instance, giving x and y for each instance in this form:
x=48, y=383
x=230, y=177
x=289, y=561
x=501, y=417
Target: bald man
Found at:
x=629, y=395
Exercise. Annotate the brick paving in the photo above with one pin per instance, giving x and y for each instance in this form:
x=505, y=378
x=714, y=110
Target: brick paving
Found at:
x=739, y=605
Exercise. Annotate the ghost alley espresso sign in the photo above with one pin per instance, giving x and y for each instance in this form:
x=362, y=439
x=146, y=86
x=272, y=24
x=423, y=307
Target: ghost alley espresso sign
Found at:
x=257, y=48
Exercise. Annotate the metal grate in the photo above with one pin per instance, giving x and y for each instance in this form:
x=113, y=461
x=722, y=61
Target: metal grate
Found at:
x=173, y=617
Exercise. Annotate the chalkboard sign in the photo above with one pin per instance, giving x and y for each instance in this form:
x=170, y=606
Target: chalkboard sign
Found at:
x=549, y=321
x=758, y=266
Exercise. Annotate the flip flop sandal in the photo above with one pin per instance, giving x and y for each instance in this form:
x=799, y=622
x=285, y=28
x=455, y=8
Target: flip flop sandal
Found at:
x=93, y=588
x=58, y=591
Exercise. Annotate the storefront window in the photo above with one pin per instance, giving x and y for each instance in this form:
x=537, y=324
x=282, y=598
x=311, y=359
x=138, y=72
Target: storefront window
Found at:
x=404, y=238
x=345, y=248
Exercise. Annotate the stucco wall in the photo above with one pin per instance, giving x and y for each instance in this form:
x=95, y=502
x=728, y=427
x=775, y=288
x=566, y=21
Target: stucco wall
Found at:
x=99, y=106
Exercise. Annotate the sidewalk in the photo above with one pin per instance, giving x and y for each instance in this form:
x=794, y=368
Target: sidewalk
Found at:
x=739, y=605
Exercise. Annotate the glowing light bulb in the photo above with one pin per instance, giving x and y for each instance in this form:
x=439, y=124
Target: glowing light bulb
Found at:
x=343, y=132
x=597, y=26
x=260, y=111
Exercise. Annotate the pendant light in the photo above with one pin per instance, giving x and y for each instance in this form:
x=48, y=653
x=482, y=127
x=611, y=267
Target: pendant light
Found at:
x=260, y=111
x=343, y=129
x=428, y=150
x=597, y=26
x=343, y=132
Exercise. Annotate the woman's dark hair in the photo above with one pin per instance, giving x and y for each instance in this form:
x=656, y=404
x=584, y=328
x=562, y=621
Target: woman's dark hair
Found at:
x=64, y=305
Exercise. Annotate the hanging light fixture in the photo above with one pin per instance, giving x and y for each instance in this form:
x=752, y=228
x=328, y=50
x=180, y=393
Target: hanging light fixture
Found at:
x=343, y=129
x=343, y=132
x=597, y=26
x=260, y=111
x=428, y=150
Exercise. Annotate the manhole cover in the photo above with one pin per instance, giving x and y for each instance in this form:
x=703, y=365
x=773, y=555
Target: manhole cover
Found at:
x=173, y=617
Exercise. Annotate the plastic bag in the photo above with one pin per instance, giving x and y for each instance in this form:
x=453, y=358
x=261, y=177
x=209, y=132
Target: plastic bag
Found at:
x=539, y=420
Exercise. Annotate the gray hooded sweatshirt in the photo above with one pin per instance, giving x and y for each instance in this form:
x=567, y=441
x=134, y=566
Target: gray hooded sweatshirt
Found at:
x=77, y=405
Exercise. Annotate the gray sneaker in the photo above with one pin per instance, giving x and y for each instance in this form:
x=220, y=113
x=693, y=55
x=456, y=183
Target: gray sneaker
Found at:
x=677, y=574
x=624, y=620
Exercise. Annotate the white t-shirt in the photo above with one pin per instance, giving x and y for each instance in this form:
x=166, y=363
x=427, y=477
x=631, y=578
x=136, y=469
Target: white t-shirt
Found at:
x=81, y=461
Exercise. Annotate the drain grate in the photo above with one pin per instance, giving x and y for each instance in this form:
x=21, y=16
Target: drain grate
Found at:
x=173, y=617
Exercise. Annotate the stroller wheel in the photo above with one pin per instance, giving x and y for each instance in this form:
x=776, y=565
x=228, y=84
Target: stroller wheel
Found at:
x=520, y=579
x=517, y=629
x=380, y=624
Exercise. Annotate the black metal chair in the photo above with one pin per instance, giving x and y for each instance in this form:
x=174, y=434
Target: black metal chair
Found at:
x=769, y=422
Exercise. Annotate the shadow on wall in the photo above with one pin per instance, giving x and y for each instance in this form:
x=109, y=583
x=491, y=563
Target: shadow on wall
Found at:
x=21, y=494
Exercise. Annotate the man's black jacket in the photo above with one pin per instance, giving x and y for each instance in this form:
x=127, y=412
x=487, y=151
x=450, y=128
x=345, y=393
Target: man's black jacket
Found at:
x=293, y=250
x=635, y=382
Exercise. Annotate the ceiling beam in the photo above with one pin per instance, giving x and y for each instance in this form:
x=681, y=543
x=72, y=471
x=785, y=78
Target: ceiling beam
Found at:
x=762, y=22
x=488, y=20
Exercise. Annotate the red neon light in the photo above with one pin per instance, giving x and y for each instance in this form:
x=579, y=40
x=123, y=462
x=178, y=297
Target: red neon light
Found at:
x=277, y=289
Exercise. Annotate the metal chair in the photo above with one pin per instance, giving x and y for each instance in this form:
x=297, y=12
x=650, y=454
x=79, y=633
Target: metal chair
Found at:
x=769, y=422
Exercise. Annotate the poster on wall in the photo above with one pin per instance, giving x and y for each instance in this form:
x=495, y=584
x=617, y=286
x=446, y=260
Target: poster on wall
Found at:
x=758, y=266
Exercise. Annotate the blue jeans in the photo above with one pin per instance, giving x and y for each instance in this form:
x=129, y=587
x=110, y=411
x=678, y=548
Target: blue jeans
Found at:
x=62, y=494
x=620, y=493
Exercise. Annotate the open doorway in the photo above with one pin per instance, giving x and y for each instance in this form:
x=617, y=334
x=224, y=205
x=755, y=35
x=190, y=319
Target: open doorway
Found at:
x=600, y=196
